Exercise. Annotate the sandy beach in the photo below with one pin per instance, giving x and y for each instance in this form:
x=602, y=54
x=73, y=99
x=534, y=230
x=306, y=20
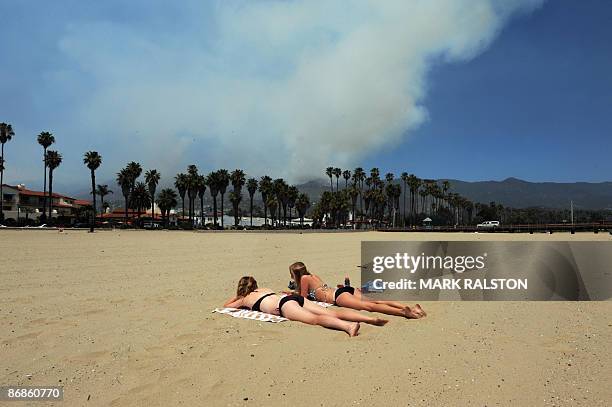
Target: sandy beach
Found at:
x=124, y=318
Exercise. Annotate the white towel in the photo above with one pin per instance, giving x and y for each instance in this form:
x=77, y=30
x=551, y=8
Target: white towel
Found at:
x=248, y=314
x=257, y=315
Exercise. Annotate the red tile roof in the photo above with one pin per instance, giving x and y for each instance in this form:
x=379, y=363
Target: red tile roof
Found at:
x=82, y=202
x=28, y=192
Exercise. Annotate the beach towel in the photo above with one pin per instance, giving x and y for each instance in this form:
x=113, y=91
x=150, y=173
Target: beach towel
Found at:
x=248, y=314
x=256, y=315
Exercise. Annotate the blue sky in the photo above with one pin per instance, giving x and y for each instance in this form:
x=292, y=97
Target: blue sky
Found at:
x=536, y=105
x=512, y=88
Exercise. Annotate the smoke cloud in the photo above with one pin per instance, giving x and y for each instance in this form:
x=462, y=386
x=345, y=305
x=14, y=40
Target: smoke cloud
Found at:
x=279, y=87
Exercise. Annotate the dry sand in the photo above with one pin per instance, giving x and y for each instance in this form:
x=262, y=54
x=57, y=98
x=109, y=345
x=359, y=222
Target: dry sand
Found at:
x=124, y=318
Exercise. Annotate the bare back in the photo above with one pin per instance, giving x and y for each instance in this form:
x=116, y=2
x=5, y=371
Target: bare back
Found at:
x=268, y=305
x=313, y=284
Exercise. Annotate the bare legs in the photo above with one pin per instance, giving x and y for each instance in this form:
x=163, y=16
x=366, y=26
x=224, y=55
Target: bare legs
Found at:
x=345, y=314
x=293, y=311
x=362, y=304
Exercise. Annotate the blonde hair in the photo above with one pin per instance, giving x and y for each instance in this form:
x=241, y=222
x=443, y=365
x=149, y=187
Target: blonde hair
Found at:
x=298, y=269
x=246, y=285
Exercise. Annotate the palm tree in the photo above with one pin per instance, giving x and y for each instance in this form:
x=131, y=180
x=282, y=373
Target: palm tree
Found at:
x=54, y=159
x=166, y=201
x=92, y=160
x=45, y=139
x=292, y=195
x=346, y=174
x=134, y=170
x=224, y=180
x=280, y=189
x=329, y=171
x=192, y=189
x=353, y=193
x=152, y=179
x=141, y=198
x=404, y=178
x=102, y=191
x=181, y=183
x=265, y=187
x=337, y=173
x=445, y=187
x=124, y=181
x=375, y=174
x=235, y=200
x=238, y=180
x=272, y=203
x=302, y=203
x=359, y=177
x=252, y=188
x=414, y=183
x=6, y=134
x=212, y=180
x=201, y=186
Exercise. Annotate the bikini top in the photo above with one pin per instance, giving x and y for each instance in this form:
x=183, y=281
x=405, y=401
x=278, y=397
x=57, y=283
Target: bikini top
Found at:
x=257, y=304
x=312, y=293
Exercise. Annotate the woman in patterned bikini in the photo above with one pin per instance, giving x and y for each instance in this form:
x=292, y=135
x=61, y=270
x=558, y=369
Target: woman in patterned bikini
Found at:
x=312, y=287
x=296, y=308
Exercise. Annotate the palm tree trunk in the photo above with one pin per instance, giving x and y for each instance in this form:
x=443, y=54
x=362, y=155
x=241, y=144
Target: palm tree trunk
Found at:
x=51, y=196
x=251, y=206
x=202, y=209
x=2, y=182
x=93, y=192
x=222, y=213
x=183, y=206
x=215, y=209
x=44, y=182
x=126, y=208
x=404, y=206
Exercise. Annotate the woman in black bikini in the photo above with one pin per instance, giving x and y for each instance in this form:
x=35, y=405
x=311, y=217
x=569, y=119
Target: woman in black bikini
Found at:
x=296, y=308
x=311, y=286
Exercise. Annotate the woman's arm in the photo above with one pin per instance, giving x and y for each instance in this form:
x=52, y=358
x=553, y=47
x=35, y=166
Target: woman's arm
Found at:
x=304, y=284
x=234, y=302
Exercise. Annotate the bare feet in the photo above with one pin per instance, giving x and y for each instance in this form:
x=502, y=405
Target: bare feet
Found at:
x=420, y=310
x=354, y=329
x=380, y=322
x=411, y=314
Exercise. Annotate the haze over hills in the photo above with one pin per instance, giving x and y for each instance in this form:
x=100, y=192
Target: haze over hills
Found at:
x=516, y=193
x=511, y=192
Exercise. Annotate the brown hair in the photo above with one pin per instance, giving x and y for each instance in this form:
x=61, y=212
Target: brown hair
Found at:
x=246, y=285
x=298, y=269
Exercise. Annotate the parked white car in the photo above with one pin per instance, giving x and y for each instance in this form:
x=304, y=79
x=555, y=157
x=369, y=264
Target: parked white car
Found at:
x=490, y=224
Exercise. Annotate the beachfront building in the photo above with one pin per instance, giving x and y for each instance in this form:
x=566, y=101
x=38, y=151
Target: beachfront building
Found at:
x=19, y=202
x=119, y=215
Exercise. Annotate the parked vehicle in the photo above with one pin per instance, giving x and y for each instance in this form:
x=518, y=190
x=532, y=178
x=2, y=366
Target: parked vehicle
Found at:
x=489, y=224
x=151, y=225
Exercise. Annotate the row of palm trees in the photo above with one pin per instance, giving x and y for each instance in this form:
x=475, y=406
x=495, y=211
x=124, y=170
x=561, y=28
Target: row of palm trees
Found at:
x=277, y=195
x=378, y=199
x=367, y=195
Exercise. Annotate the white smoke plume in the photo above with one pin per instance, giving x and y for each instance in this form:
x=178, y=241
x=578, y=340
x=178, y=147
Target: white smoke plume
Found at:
x=279, y=87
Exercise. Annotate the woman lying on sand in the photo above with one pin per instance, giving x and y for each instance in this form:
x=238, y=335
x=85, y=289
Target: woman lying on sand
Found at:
x=312, y=287
x=296, y=308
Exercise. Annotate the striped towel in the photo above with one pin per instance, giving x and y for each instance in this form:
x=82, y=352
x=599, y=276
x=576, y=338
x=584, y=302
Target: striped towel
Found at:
x=248, y=314
x=256, y=315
